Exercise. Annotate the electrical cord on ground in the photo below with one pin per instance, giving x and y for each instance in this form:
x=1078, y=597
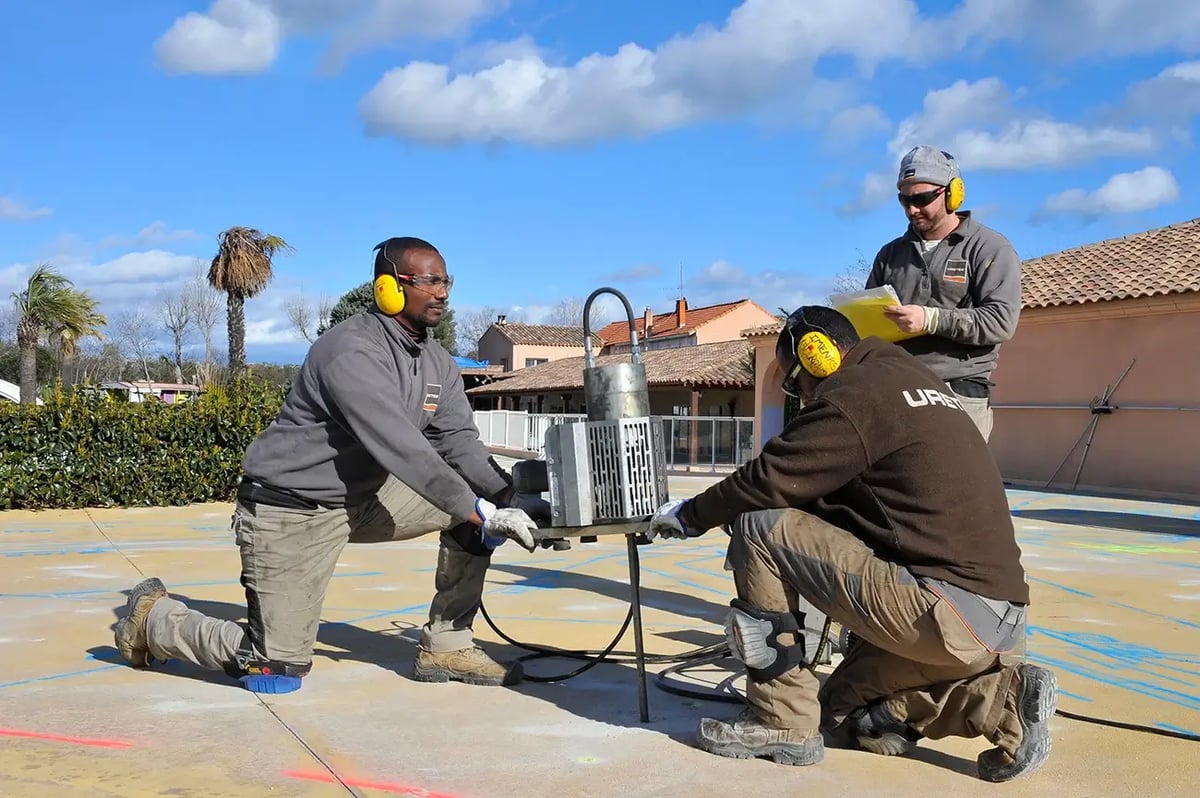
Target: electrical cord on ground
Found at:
x=711, y=654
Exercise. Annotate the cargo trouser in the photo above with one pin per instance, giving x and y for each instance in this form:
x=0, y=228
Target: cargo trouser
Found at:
x=288, y=557
x=916, y=656
x=979, y=408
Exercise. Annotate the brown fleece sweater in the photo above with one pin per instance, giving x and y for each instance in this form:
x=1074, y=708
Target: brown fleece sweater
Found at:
x=882, y=451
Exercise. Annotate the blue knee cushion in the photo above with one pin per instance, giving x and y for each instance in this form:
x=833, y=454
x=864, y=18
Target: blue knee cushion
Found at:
x=270, y=683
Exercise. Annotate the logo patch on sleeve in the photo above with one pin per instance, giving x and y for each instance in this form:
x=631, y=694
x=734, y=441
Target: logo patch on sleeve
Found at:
x=433, y=395
x=956, y=271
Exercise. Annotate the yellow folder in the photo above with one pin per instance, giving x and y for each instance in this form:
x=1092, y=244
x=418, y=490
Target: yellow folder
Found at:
x=865, y=311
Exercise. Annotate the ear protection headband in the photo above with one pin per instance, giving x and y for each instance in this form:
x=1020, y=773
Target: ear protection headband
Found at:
x=816, y=352
x=956, y=190
x=389, y=294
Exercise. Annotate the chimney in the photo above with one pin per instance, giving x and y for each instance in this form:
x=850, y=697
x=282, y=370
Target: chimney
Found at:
x=501, y=319
x=648, y=322
x=681, y=311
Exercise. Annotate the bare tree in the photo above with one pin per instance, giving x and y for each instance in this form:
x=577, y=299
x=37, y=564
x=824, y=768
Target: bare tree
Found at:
x=471, y=327
x=204, y=301
x=307, y=319
x=8, y=323
x=569, y=312
x=853, y=277
x=176, y=309
x=136, y=337
x=98, y=361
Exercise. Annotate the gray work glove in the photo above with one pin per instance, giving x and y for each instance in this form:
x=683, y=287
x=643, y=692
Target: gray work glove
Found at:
x=666, y=523
x=505, y=523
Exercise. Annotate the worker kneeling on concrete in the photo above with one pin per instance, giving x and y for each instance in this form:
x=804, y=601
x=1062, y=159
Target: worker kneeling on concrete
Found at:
x=881, y=507
x=374, y=442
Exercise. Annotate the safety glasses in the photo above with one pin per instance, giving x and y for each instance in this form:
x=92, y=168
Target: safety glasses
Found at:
x=427, y=281
x=919, y=200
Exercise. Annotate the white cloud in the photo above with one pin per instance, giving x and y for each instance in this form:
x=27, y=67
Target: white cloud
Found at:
x=986, y=129
x=1172, y=96
x=1128, y=192
x=857, y=121
x=1068, y=29
x=764, y=47
x=234, y=37
x=153, y=234
x=19, y=211
x=723, y=281
x=240, y=37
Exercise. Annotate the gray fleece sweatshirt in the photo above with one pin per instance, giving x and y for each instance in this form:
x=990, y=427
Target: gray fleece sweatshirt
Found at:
x=970, y=285
x=370, y=400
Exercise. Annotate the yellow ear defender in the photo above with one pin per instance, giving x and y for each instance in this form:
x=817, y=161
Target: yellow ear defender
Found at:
x=818, y=355
x=389, y=294
x=955, y=193
x=955, y=190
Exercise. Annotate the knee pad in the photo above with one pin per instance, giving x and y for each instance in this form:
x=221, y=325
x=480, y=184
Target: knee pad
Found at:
x=753, y=637
x=259, y=675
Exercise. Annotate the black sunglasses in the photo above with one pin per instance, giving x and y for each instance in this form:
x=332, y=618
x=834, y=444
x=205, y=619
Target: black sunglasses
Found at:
x=919, y=200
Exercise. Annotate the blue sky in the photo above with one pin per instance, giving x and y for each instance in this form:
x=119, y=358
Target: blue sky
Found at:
x=549, y=148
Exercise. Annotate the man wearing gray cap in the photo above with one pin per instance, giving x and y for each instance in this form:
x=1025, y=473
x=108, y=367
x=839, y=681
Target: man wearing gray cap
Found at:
x=958, y=281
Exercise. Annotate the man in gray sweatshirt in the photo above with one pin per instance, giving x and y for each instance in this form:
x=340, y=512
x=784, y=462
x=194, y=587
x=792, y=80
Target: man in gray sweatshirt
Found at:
x=958, y=281
x=375, y=442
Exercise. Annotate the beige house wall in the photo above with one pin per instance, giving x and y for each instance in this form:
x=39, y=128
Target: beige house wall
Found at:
x=497, y=349
x=729, y=326
x=1062, y=358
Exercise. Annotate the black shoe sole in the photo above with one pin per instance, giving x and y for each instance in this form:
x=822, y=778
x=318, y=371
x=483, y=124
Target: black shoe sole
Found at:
x=443, y=675
x=1037, y=704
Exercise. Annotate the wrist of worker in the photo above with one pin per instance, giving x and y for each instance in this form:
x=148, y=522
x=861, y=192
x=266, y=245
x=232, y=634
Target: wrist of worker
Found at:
x=931, y=319
x=687, y=519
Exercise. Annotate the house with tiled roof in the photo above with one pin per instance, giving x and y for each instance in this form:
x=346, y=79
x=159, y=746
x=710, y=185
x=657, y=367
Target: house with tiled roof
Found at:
x=684, y=326
x=1099, y=389
x=513, y=345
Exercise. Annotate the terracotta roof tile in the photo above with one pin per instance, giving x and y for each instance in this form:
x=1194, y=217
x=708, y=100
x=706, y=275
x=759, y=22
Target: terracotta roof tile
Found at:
x=544, y=334
x=666, y=324
x=1165, y=260
x=718, y=365
x=774, y=328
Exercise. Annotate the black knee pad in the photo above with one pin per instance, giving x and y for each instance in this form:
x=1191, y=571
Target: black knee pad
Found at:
x=753, y=638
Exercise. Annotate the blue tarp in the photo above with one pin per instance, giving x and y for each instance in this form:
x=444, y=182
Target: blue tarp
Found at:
x=468, y=363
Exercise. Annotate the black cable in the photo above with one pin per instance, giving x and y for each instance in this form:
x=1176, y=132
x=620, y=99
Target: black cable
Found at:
x=708, y=655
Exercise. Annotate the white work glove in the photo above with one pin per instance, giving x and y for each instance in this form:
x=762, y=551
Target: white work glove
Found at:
x=534, y=506
x=666, y=523
x=504, y=523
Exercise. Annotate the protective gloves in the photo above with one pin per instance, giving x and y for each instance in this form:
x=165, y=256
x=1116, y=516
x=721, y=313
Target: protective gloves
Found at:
x=504, y=523
x=666, y=522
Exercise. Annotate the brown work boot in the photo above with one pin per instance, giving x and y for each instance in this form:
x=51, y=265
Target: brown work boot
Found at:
x=468, y=665
x=130, y=632
x=746, y=737
x=1034, y=700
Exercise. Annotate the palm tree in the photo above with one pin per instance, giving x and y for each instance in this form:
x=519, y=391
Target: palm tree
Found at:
x=242, y=268
x=49, y=304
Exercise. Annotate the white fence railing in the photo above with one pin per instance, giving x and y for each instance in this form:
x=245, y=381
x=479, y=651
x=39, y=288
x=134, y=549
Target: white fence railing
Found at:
x=692, y=441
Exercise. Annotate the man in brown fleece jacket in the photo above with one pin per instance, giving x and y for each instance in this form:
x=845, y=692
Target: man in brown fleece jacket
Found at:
x=880, y=507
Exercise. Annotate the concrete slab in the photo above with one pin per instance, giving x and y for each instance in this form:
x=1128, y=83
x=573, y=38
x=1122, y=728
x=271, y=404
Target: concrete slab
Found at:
x=1117, y=615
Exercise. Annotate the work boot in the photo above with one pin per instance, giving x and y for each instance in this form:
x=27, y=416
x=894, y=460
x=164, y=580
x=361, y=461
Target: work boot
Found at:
x=130, y=632
x=746, y=737
x=1034, y=701
x=468, y=665
x=878, y=732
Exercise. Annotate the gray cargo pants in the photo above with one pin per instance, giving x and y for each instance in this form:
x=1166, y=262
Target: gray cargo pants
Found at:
x=917, y=654
x=288, y=557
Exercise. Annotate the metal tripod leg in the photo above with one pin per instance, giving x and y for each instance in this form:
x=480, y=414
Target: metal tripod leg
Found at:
x=639, y=649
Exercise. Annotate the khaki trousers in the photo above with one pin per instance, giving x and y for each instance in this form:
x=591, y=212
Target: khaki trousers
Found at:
x=288, y=557
x=916, y=656
x=979, y=408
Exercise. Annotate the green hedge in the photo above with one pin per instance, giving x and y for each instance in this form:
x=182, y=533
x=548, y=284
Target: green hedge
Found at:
x=81, y=451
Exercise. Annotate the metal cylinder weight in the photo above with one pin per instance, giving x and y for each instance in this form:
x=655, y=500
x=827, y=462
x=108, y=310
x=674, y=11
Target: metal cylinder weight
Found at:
x=614, y=391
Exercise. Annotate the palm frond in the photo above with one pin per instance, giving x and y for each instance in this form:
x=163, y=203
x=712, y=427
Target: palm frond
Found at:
x=242, y=265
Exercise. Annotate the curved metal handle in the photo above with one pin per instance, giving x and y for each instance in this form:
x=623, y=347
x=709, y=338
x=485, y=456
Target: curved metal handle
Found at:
x=588, y=360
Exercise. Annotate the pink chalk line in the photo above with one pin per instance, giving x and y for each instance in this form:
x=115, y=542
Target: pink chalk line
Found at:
x=59, y=738
x=402, y=789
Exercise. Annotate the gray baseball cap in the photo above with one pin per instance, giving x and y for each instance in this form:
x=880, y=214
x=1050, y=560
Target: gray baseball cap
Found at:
x=925, y=164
